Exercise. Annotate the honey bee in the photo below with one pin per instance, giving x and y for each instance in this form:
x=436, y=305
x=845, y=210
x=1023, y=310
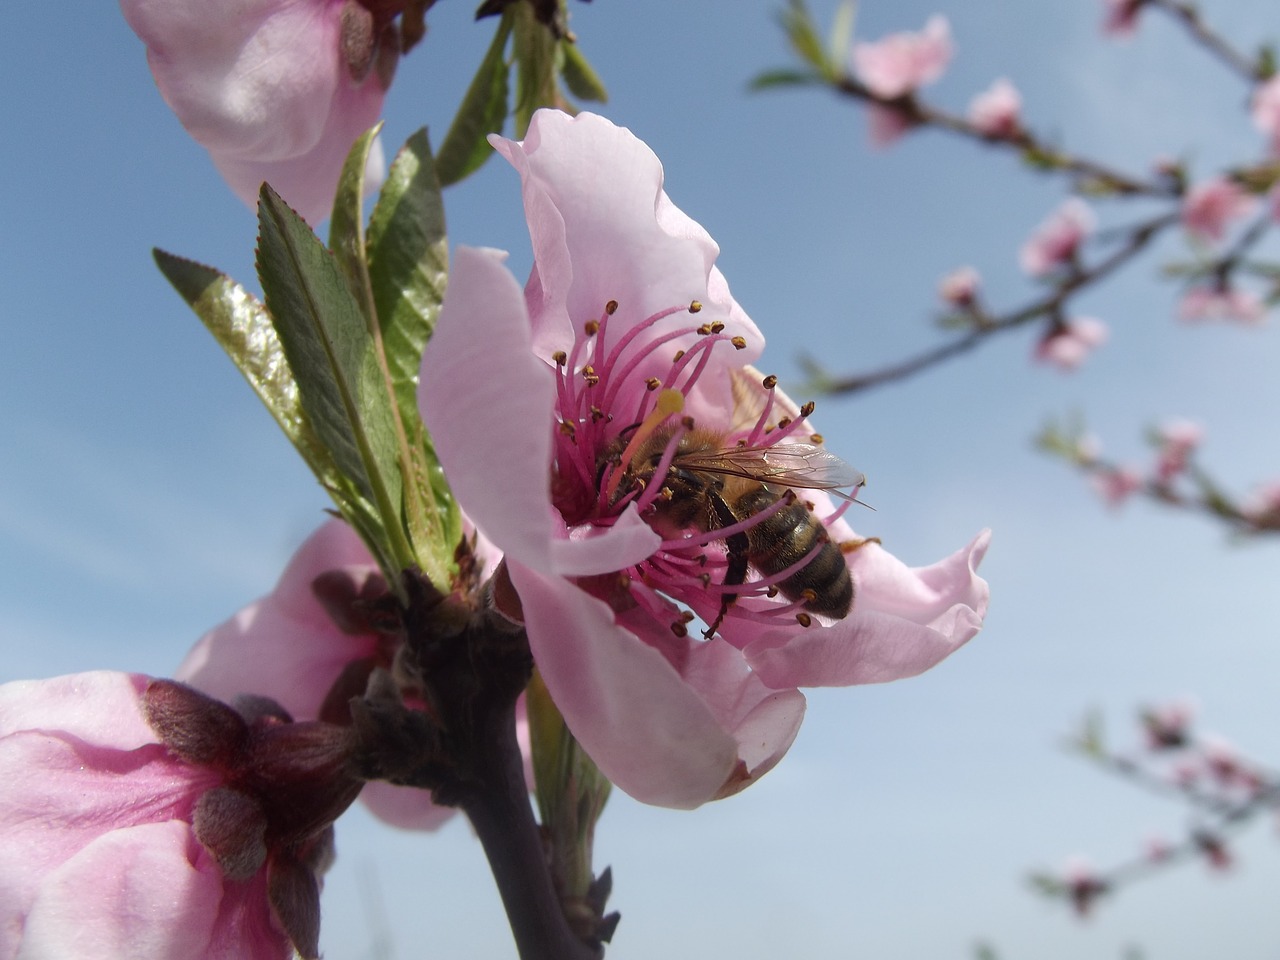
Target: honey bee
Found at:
x=711, y=484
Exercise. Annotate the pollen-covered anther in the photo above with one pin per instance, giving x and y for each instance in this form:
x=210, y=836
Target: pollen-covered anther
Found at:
x=717, y=327
x=849, y=546
x=772, y=591
x=687, y=422
x=596, y=414
x=591, y=328
x=568, y=429
x=676, y=358
x=809, y=595
x=784, y=423
x=679, y=629
x=804, y=619
x=810, y=505
x=704, y=330
x=666, y=494
x=769, y=382
x=739, y=343
x=807, y=409
x=706, y=580
x=695, y=306
x=560, y=358
x=653, y=383
x=611, y=307
x=590, y=376
x=816, y=438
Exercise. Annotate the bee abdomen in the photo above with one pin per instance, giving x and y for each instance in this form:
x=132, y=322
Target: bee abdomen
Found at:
x=784, y=539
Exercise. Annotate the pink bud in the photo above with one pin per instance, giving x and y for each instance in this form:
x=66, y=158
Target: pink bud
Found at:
x=1066, y=346
x=960, y=287
x=1210, y=206
x=1054, y=243
x=996, y=112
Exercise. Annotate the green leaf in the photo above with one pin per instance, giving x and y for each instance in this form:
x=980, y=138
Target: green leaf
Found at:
x=483, y=111
x=535, y=53
x=804, y=38
x=784, y=78
x=408, y=269
x=332, y=355
x=579, y=76
x=243, y=327
x=842, y=31
x=346, y=225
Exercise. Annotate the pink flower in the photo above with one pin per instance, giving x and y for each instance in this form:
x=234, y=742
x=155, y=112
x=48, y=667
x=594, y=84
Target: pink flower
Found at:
x=570, y=384
x=1083, y=885
x=1167, y=726
x=1266, y=111
x=887, y=125
x=1262, y=507
x=960, y=287
x=1116, y=484
x=1122, y=17
x=1210, y=206
x=275, y=90
x=1056, y=241
x=290, y=647
x=904, y=62
x=1214, y=302
x=1178, y=439
x=1158, y=849
x=1067, y=345
x=141, y=819
x=997, y=111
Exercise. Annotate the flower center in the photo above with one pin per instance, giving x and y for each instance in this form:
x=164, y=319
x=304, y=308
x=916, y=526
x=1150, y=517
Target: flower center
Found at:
x=732, y=540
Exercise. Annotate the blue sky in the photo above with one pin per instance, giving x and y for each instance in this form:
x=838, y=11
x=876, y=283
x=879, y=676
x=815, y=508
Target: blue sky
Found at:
x=145, y=495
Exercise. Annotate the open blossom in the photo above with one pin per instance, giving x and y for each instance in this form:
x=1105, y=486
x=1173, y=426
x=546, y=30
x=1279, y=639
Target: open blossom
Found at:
x=624, y=344
x=1178, y=439
x=997, y=111
x=903, y=62
x=1055, y=242
x=275, y=90
x=1067, y=345
x=1210, y=207
x=959, y=288
x=141, y=819
x=1214, y=302
x=1266, y=112
x=1116, y=484
x=310, y=645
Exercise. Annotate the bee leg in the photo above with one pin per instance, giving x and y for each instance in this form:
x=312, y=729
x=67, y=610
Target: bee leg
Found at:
x=736, y=571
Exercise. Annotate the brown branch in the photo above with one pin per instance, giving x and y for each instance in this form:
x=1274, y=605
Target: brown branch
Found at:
x=1250, y=69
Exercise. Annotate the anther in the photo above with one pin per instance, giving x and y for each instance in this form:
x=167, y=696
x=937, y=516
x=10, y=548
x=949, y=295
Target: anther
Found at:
x=815, y=438
x=849, y=546
x=807, y=409
x=589, y=374
x=596, y=414
x=560, y=357
x=808, y=595
x=804, y=619
x=568, y=429
x=653, y=383
x=706, y=580
x=676, y=358
x=591, y=327
x=784, y=422
x=739, y=343
x=717, y=327
x=686, y=422
x=704, y=330
x=771, y=591
x=769, y=382
x=679, y=629
x=695, y=306
x=686, y=616
x=611, y=307
x=666, y=493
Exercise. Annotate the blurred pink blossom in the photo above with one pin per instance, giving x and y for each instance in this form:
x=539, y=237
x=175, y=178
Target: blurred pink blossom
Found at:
x=903, y=62
x=887, y=125
x=275, y=90
x=1215, y=850
x=997, y=111
x=1168, y=724
x=1266, y=111
x=1054, y=242
x=1116, y=484
x=133, y=825
x=1158, y=849
x=1083, y=884
x=1212, y=302
x=960, y=287
x=288, y=646
x=1121, y=18
x=1210, y=206
x=1262, y=506
x=1178, y=439
x=583, y=365
x=1066, y=346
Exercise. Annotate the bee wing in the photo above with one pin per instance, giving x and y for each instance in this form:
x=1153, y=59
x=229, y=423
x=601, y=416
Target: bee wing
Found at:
x=804, y=465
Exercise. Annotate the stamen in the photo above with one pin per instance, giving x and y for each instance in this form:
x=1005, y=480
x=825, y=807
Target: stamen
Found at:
x=669, y=402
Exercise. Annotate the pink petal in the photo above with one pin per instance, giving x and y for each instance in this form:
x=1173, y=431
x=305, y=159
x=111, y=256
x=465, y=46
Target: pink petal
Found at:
x=98, y=708
x=648, y=731
x=488, y=404
x=603, y=229
x=904, y=621
x=144, y=892
x=605, y=549
x=405, y=807
x=263, y=87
